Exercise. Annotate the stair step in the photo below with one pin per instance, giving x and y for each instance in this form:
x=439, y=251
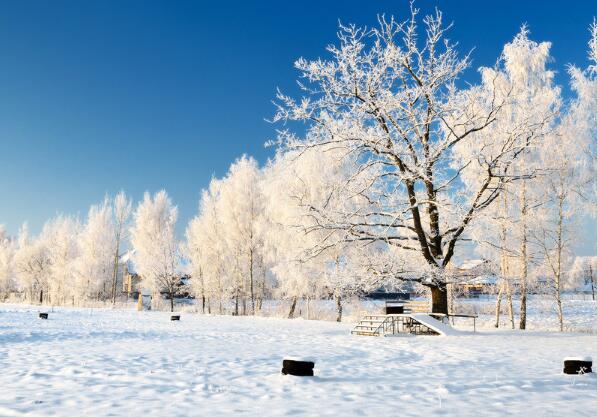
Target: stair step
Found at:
x=371, y=325
x=364, y=333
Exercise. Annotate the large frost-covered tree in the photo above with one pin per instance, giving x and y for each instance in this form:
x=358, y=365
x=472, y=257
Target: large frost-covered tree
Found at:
x=60, y=236
x=389, y=99
x=288, y=183
x=225, y=240
x=569, y=175
x=157, y=254
x=293, y=183
x=207, y=251
x=195, y=252
x=241, y=204
x=528, y=118
x=32, y=264
x=96, y=252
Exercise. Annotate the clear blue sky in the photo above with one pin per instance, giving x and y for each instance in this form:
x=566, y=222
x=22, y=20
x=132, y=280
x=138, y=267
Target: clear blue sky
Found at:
x=98, y=96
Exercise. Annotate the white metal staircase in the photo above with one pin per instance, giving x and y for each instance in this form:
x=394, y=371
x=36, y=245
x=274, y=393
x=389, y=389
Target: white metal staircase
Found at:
x=372, y=325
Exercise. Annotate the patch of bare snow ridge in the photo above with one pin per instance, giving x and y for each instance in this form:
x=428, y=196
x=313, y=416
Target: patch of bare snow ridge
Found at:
x=126, y=363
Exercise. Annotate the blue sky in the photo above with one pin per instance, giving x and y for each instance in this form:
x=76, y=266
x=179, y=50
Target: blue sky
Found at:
x=142, y=95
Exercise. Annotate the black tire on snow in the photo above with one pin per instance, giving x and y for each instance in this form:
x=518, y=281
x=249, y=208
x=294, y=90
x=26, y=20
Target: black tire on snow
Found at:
x=573, y=367
x=174, y=318
x=297, y=368
x=43, y=316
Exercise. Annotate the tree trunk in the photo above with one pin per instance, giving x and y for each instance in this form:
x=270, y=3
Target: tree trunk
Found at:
x=510, y=306
x=171, y=302
x=498, y=305
x=292, y=308
x=503, y=260
x=523, y=299
x=451, y=298
x=41, y=296
x=220, y=292
x=251, y=283
x=560, y=311
x=339, y=308
x=560, y=249
x=439, y=299
x=308, y=308
x=525, y=262
x=115, y=269
x=592, y=282
x=262, y=291
x=202, y=281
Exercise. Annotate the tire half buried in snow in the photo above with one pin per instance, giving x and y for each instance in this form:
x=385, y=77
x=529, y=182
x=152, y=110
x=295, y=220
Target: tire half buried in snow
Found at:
x=578, y=365
x=297, y=367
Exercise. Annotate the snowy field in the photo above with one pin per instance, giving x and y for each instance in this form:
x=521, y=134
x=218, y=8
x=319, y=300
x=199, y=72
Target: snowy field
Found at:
x=100, y=362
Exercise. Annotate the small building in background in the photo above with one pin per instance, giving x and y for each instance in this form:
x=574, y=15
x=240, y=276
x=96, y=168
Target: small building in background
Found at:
x=482, y=284
x=132, y=282
x=474, y=277
x=128, y=277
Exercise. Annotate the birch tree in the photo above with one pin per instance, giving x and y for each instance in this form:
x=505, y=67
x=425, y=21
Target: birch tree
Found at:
x=121, y=211
x=530, y=116
x=493, y=232
x=207, y=250
x=32, y=265
x=241, y=211
x=60, y=236
x=557, y=229
x=195, y=253
x=225, y=239
x=535, y=95
x=157, y=254
x=96, y=249
x=293, y=183
x=569, y=176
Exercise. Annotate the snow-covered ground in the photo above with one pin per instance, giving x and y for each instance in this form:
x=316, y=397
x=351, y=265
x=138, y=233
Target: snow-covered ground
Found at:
x=100, y=362
x=580, y=315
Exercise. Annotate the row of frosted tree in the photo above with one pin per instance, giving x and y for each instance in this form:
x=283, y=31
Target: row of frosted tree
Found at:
x=388, y=167
x=68, y=262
